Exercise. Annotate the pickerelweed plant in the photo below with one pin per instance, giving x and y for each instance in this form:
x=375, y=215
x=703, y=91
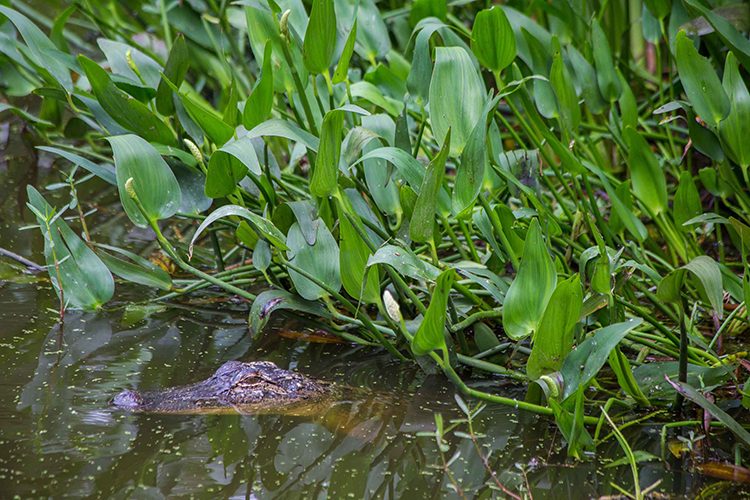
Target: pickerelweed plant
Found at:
x=549, y=191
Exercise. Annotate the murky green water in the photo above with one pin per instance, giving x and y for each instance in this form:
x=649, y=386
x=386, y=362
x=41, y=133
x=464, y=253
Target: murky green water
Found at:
x=60, y=438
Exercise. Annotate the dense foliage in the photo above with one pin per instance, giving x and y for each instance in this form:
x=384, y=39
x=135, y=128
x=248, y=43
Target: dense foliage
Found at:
x=551, y=191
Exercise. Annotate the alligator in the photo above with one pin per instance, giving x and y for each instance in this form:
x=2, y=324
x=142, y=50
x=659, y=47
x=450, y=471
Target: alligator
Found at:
x=248, y=388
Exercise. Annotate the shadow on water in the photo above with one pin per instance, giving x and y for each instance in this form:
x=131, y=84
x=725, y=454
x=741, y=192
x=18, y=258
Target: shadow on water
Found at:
x=60, y=438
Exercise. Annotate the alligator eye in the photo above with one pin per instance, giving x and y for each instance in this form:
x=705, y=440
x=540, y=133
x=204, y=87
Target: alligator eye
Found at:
x=252, y=380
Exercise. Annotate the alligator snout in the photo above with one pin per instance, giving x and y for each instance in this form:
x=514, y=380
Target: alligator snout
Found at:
x=127, y=400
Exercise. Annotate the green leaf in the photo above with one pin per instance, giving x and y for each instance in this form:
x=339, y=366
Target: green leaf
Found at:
x=342, y=69
x=709, y=276
x=208, y=119
x=262, y=28
x=272, y=300
x=621, y=366
x=320, y=37
x=532, y=288
x=628, y=105
x=584, y=362
x=587, y=79
x=405, y=262
x=320, y=260
x=106, y=174
x=649, y=183
x=700, y=82
x=492, y=39
x=153, y=181
x=325, y=176
x=41, y=48
x=567, y=101
x=729, y=34
x=420, y=75
x=553, y=340
x=423, y=219
x=137, y=274
x=699, y=399
x=609, y=83
x=427, y=8
x=474, y=160
x=373, y=40
x=126, y=111
x=456, y=97
x=260, y=224
x=229, y=165
x=687, y=202
x=175, y=71
x=281, y=128
x=735, y=129
x=354, y=257
x=431, y=332
x=659, y=8
x=86, y=281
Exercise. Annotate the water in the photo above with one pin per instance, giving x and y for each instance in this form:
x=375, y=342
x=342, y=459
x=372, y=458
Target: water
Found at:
x=60, y=438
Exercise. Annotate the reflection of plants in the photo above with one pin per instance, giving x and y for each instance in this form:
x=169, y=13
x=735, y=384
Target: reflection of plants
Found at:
x=439, y=435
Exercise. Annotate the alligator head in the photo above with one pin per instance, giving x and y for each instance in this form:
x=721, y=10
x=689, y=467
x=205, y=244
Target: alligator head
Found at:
x=246, y=387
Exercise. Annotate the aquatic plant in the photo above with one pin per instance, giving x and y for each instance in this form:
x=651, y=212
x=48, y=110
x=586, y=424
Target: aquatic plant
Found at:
x=536, y=190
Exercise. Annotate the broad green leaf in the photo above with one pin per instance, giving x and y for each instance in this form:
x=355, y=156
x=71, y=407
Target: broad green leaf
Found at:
x=532, y=288
x=342, y=69
x=192, y=187
x=687, y=202
x=117, y=57
x=492, y=39
x=567, y=101
x=456, y=97
x=587, y=79
x=431, y=332
x=86, y=281
x=518, y=21
x=208, y=119
x=650, y=25
x=474, y=160
x=735, y=129
x=153, y=181
x=41, y=48
x=405, y=262
x=699, y=399
x=260, y=224
x=709, y=277
x=649, y=183
x=659, y=8
x=420, y=75
x=354, y=256
x=421, y=9
x=320, y=37
x=650, y=377
x=713, y=183
x=281, y=128
x=609, y=84
x=369, y=92
x=700, y=82
x=628, y=105
x=320, y=260
x=373, y=40
x=126, y=111
x=57, y=35
x=553, y=339
x=325, y=176
x=175, y=71
x=272, y=300
x=107, y=174
x=423, y=219
x=737, y=43
x=229, y=165
x=585, y=361
x=541, y=59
